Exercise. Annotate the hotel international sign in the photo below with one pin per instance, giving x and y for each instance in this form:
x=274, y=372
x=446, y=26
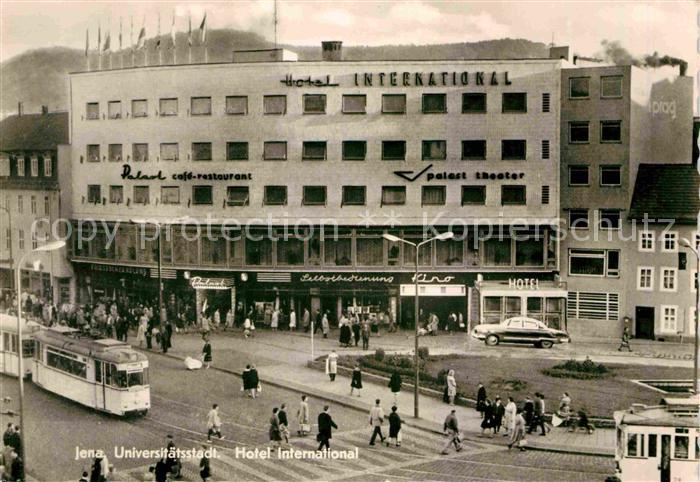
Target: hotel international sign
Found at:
x=404, y=79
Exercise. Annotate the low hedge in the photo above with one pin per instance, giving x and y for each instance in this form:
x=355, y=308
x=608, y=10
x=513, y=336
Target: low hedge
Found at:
x=579, y=370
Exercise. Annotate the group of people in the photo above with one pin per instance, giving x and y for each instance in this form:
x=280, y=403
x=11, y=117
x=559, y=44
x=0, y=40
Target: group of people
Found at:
x=12, y=457
x=433, y=325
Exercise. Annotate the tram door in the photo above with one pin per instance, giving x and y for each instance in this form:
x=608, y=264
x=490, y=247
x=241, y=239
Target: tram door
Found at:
x=99, y=385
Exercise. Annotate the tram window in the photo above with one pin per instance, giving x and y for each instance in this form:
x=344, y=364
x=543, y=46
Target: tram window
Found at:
x=27, y=348
x=98, y=371
x=109, y=369
x=680, y=449
x=632, y=445
x=66, y=364
x=137, y=379
x=120, y=380
x=37, y=350
x=652, y=445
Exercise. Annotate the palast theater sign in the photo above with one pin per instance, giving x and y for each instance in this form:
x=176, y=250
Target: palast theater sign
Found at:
x=404, y=79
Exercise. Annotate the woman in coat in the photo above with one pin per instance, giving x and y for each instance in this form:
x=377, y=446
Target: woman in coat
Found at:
x=480, y=399
x=451, y=387
x=303, y=417
x=394, y=427
x=332, y=365
x=345, y=332
x=275, y=435
x=487, y=422
x=206, y=353
x=356, y=382
x=254, y=381
x=325, y=326
x=395, y=385
x=141, y=331
x=511, y=410
x=518, y=436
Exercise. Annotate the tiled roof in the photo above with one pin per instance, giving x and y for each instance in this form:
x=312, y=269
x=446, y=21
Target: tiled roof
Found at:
x=34, y=132
x=666, y=191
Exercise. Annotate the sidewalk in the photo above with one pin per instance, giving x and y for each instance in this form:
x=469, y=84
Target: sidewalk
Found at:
x=286, y=366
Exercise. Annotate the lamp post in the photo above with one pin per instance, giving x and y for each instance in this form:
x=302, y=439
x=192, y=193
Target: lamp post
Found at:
x=395, y=239
x=694, y=250
x=52, y=246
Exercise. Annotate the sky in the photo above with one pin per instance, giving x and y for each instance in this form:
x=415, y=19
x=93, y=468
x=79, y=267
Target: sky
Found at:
x=641, y=27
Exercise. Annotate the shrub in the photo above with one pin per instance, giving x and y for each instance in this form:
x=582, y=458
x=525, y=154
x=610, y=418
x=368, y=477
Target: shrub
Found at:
x=423, y=352
x=379, y=354
x=579, y=370
x=510, y=385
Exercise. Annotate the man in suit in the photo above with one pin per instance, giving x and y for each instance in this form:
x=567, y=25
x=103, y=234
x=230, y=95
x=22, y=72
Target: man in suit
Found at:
x=325, y=428
x=538, y=414
x=376, y=417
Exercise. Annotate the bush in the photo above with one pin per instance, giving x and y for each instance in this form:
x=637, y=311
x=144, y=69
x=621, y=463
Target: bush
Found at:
x=379, y=354
x=510, y=385
x=579, y=370
x=423, y=353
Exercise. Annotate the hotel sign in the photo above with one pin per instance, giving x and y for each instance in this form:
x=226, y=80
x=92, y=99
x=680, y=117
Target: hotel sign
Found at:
x=404, y=79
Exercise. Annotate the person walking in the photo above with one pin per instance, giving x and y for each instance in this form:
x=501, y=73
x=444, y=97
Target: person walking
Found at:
x=451, y=387
x=394, y=427
x=317, y=321
x=332, y=365
x=292, y=320
x=356, y=382
x=392, y=323
x=275, y=320
x=283, y=423
x=356, y=328
x=166, y=336
x=625, y=340
x=306, y=320
x=275, y=436
x=206, y=353
x=365, y=335
x=528, y=410
x=538, y=415
x=205, y=465
x=247, y=385
x=303, y=417
x=451, y=429
x=214, y=423
x=395, y=384
x=487, y=421
x=510, y=411
x=376, y=418
x=325, y=325
x=254, y=382
x=161, y=472
x=564, y=412
x=325, y=428
x=480, y=399
x=517, y=437
x=229, y=320
x=8, y=434
x=499, y=410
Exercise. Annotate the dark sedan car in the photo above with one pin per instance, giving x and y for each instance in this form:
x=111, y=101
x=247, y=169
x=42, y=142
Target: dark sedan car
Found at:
x=520, y=329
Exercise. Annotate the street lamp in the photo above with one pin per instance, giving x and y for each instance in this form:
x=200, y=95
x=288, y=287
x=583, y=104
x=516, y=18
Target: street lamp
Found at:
x=685, y=243
x=52, y=246
x=395, y=239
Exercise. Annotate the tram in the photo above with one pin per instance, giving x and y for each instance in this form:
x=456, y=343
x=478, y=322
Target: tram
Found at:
x=660, y=442
x=105, y=374
x=9, y=343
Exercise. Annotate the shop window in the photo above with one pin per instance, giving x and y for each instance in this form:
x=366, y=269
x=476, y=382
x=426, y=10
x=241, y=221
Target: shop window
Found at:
x=434, y=150
x=201, y=151
x=237, y=196
x=202, y=195
x=393, y=150
x=611, y=131
x=594, y=262
x=115, y=152
x=313, y=151
x=514, y=102
x=578, y=219
x=370, y=250
x=475, y=195
x=213, y=250
x=529, y=252
x=314, y=196
x=513, y=306
x=393, y=103
x=609, y=219
x=167, y=107
x=116, y=194
x=354, y=104
x=513, y=195
x=275, y=104
x=354, y=195
x=236, y=251
x=126, y=243
x=141, y=195
x=337, y=250
x=449, y=252
x=497, y=252
x=94, y=194
x=200, y=106
x=139, y=108
x=513, y=150
x=610, y=87
x=92, y=111
x=474, y=150
x=434, y=104
x=313, y=250
x=492, y=309
x=258, y=250
x=433, y=195
x=354, y=150
x=185, y=246
x=393, y=195
x=578, y=132
x=236, y=105
x=169, y=151
x=290, y=251
x=236, y=151
x=139, y=152
x=275, y=151
x=473, y=103
x=610, y=176
x=93, y=155
x=534, y=308
x=170, y=195
x=275, y=195
x=114, y=109
x=579, y=88
x=314, y=103
x=578, y=175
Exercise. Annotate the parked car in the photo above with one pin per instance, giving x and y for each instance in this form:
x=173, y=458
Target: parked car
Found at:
x=520, y=329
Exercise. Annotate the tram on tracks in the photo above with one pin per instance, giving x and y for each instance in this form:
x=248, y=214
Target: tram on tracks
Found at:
x=9, y=345
x=105, y=374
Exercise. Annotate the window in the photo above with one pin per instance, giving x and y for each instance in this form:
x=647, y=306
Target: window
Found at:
x=170, y=195
x=645, y=278
x=433, y=195
x=498, y=251
x=393, y=103
x=610, y=131
x=669, y=318
x=168, y=107
x=370, y=249
x=4, y=165
x=47, y=205
x=578, y=175
x=290, y=250
x=474, y=150
x=610, y=87
x=337, y=249
x=513, y=150
x=434, y=150
x=139, y=152
x=652, y=445
x=669, y=242
x=115, y=152
x=48, y=166
x=354, y=150
x=34, y=166
x=20, y=204
x=275, y=151
x=139, y=108
x=646, y=241
x=609, y=219
x=141, y=195
x=354, y=195
x=546, y=100
x=32, y=204
x=314, y=103
x=92, y=111
x=201, y=151
x=393, y=150
x=545, y=149
x=578, y=219
x=610, y=176
x=169, y=151
x=514, y=102
x=354, y=104
x=680, y=446
x=393, y=195
x=275, y=104
x=66, y=362
x=634, y=448
x=236, y=151
x=578, y=132
x=545, y=195
x=237, y=105
x=594, y=262
x=449, y=252
x=20, y=239
x=114, y=109
x=237, y=196
x=579, y=88
x=669, y=279
x=313, y=151
x=473, y=103
x=473, y=195
x=513, y=195
x=202, y=195
x=200, y=105
x=21, y=168
x=314, y=196
x=94, y=193
x=529, y=252
x=93, y=154
x=258, y=250
x=275, y=195
x=116, y=194
x=434, y=104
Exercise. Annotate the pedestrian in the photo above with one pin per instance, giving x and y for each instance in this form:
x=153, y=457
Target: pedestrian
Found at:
x=303, y=417
x=625, y=340
x=332, y=365
x=325, y=325
x=394, y=427
x=214, y=423
x=217, y=318
x=275, y=436
x=7, y=435
x=452, y=322
x=325, y=428
x=395, y=384
x=161, y=471
x=275, y=319
x=499, y=410
x=292, y=320
x=451, y=429
x=284, y=423
x=306, y=320
x=317, y=321
x=480, y=399
x=356, y=382
x=172, y=462
x=487, y=421
x=204, y=465
x=206, y=353
x=564, y=411
x=9, y=457
x=16, y=441
x=254, y=382
x=365, y=335
x=392, y=323
x=517, y=437
x=149, y=335
x=511, y=410
x=538, y=415
x=451, y=387
x=166, y=336
x=528, y=410
x=584, y=423
x=247, y=385
x=345, y=332
x=356, y=330
x=229, y=319
x=374, y=322
x=248, y=328
x=376, y=418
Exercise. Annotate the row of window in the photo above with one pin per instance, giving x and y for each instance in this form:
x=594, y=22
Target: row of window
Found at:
x=607, y=218
x=391, y=150
x=610, y=132
x=33, y=204
x=311, y=195
x=668, y=279
x=20, y=239
x=668, y=241
x=434, y=103
x=26, y=166
x=610, y=87
x=609, y=175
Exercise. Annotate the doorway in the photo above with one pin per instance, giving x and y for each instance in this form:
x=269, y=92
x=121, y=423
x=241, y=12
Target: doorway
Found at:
x=644, y=322
x=665, y=462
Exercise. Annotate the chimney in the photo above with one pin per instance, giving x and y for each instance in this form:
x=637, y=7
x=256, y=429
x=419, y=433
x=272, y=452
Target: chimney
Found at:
x=332, y=51
x=19, y=108
x=44, y=109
